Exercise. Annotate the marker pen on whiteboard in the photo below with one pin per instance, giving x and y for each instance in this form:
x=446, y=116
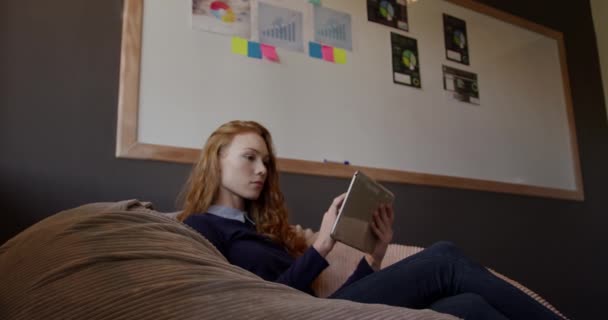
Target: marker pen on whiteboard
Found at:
x=346, y=162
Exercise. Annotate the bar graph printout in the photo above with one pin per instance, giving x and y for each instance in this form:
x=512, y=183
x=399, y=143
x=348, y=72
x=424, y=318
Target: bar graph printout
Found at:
x=333, y=28
x=281, y=27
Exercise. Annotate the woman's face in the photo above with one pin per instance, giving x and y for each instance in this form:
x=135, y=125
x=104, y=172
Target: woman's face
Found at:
x=243, y=169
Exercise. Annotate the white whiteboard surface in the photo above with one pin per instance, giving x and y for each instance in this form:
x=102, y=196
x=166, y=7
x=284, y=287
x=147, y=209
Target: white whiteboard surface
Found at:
x=190, y=83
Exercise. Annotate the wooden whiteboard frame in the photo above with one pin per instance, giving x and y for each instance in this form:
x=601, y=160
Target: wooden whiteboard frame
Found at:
x=128, y=146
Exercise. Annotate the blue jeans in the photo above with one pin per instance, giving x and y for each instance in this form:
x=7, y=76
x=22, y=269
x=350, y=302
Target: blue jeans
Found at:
x=442, y=278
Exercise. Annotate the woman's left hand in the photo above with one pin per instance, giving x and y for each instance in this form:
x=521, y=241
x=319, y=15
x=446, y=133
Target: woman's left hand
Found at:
x=382, y=225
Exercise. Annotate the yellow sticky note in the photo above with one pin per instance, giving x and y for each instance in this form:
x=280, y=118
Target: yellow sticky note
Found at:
x=340, y=56
x=239, y=46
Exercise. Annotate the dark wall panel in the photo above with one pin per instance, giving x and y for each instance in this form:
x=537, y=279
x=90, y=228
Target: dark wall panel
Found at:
x=59, y=64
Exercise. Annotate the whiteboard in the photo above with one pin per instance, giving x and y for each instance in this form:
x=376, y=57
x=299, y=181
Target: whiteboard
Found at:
x=519, y=139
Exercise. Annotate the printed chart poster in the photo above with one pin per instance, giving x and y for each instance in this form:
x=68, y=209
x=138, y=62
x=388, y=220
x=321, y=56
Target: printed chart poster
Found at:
x=333, y=28
x=406, y=64
x=392, y=13
x=230, y=17
x=456, y=43
x=462, y=83
x=280, y=27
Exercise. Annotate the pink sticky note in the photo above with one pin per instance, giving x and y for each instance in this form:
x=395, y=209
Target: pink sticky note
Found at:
x=269, y=52
x=328, y=53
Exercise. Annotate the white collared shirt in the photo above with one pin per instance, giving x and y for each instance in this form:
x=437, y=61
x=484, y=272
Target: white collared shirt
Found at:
x=229, y=213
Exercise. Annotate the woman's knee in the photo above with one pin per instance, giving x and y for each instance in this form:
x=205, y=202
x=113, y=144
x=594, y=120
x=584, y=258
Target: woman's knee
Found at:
x=445, y=248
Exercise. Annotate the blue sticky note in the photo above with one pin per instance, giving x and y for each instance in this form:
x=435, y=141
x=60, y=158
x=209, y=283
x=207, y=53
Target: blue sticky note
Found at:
x=315, y=50
x=254, y=50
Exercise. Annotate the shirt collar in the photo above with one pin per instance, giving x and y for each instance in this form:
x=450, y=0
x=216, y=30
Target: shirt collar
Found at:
x=229, y=213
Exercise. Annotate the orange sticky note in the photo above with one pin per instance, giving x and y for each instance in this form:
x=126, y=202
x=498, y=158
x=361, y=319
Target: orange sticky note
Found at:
x=269, y=52
x=328, y=53
x=340, y=55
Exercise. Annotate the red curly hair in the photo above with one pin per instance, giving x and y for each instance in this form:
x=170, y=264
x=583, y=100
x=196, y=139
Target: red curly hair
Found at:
x=268, y=211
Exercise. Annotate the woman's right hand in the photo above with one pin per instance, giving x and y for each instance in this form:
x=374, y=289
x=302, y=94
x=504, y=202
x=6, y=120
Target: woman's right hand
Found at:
x=324, y=243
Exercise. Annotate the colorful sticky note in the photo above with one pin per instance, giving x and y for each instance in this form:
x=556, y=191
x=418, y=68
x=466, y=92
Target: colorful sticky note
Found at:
x=269, y=52
x=314, y=50
x=328, y=53
x=315, y=2
x=254, y=50
x=239, y=46
x=340, y=55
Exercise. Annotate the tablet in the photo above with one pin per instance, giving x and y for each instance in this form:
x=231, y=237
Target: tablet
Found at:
x=352, y=226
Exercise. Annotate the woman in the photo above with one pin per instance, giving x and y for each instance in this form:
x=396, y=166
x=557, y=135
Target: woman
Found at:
x=234, y=200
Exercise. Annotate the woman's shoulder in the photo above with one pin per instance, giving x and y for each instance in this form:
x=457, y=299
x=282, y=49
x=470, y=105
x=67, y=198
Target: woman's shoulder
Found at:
x=209, y=226
x=202, y=218
x=212, y=228
x=211, y=223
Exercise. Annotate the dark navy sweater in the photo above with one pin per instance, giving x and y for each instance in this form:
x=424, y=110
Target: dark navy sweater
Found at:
x=235, y=236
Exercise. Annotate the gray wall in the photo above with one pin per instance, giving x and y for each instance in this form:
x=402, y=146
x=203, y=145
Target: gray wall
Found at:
x=58, y=90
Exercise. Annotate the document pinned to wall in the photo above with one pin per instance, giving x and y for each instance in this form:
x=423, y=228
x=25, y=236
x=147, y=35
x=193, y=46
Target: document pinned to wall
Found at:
x=333, y=28
x=229, y=17
x=392, y=13
x=462, y=83
x=456, y=39
x=279, y=26
x=406, y=63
